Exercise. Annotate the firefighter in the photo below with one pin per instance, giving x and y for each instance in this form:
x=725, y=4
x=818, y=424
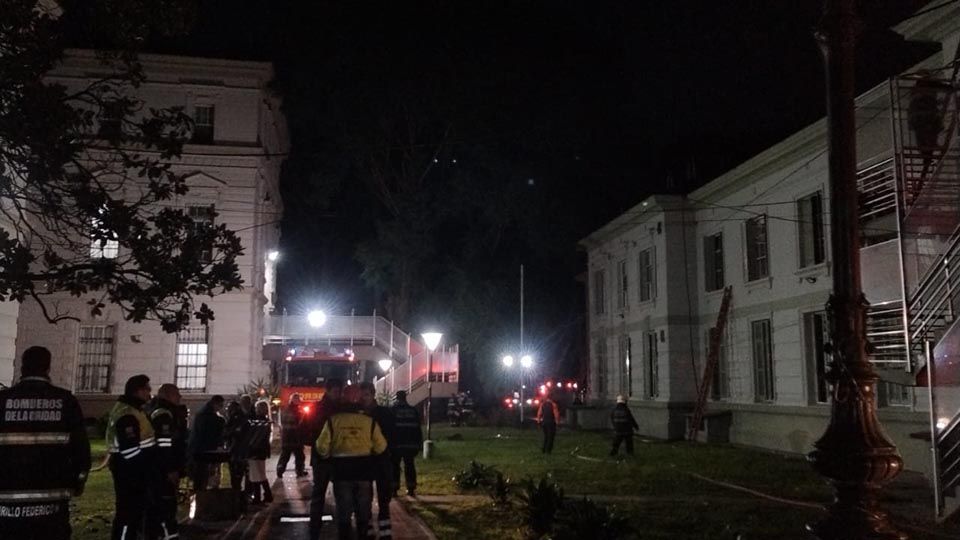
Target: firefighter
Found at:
x=383, y=416
x=44, y=452
x=466, y=408
x=453, y=411
x=324, y=410
x=132, y=446
x=291, y=438
x=623, y=426
x=171, y=456
x=354, y=443
x=547, y=416
x=408, y=440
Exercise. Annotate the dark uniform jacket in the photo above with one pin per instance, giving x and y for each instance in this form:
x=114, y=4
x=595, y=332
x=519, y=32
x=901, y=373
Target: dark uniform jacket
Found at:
x=207, y=434
x=44, y=449
x=408, y=436
x=237, y=436
x=171, y=439
x=258, y=442
x=383, y=416
x=130, y=434
x=291, y=426
x=622, y=418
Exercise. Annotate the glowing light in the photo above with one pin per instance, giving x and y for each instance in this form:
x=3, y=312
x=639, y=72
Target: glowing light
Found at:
x=569, y=385
x=536, y=402
x=942, y=423
x=349, y=382
x=543, y=389
x=262, y=391
x=529, y=402
x=526, y=361
x=508, y=401
x=193, y=507
x=385, y=364
x=273, y=255
x=549, y=384
x=574, y=386
x=515, y=400
x=306, y=409
x=316, y=318
x=431, y=339
x=508, y=361
x=289, y=358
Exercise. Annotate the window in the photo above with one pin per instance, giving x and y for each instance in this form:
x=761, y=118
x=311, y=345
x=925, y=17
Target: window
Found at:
x=763, y=380
x=599, y=287
x=111, y=119
x=810, y=216
x=758, y=263
x=203, y=116
x=622, y=285
x=895, y=395
x=713, y=261
x=648, y=275
x=720, y=381
x=192, y=357
x=103, y=243
x=202, y=217
x=600, y=349
x=94, y=358
x=626, y=370
x=815, y=333
x=651, y=369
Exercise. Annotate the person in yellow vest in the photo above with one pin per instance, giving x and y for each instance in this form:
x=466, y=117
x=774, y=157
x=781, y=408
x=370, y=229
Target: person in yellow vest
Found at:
x=353, y=442
x=131, y=444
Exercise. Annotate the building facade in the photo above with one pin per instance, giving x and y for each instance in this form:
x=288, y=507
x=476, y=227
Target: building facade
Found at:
x=657, y=274
x=232, y=163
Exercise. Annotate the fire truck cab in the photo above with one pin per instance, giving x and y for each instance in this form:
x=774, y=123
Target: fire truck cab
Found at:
x=306, y=370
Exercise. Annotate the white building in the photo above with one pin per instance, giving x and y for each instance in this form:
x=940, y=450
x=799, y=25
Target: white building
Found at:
x=233, y=163
x=656, y=276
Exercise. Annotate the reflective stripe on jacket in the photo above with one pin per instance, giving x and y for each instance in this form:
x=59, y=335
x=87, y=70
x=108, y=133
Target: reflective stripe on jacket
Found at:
x=146, y=439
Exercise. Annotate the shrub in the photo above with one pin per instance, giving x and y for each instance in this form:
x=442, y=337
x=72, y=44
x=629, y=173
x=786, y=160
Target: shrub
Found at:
x=476, y=475
x=541, y=502
x=583, y=518
x=499, y=489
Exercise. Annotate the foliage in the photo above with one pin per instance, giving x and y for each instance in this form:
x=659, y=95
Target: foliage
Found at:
x=583, y=518
x=542, y=500
x=260, y=388
x=475, y=476
x=499, y=489
x=87, y=174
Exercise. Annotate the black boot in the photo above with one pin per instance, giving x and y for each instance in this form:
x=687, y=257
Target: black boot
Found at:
x=267, y=494
x=254, y=489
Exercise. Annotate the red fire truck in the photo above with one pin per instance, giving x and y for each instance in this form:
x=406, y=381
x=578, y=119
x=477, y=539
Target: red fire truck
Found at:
x=305, y=370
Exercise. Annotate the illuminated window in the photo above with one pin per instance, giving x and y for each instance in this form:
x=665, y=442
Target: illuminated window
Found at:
x=192, y=357
x=103, y=243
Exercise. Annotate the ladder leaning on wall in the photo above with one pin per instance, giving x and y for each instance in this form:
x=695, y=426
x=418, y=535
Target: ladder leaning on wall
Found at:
x=713, y=355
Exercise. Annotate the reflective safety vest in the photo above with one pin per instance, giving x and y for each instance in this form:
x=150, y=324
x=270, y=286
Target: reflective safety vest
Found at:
x=44, y=451
x=121, y=409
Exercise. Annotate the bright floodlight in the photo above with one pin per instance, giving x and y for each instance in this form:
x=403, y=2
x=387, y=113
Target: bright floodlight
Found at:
x=432, y=339
x=508, y=361
x=526, y=361
x=316, y=318
x=273, y=255
x=385, y=364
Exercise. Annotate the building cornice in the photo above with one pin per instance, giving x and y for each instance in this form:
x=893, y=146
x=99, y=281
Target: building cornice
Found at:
x=652, y=206
x=935, y=25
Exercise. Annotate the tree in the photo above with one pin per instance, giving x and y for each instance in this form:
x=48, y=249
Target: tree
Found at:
x=86, y=175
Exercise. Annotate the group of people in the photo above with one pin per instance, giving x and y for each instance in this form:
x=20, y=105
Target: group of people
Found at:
x=459, y=408
x=355, y=444
x=624, y=424
x=361, y=444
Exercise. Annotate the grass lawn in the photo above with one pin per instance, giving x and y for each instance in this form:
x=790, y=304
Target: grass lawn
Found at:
x=92, y=513
x=653, y=487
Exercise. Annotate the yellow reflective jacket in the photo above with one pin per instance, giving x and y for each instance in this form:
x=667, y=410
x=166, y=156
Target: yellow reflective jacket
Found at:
x=350, y=435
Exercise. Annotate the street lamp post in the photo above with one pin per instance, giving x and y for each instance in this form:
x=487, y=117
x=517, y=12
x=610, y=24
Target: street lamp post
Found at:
x=526, y=363
x=432, y=340
x=854, y=453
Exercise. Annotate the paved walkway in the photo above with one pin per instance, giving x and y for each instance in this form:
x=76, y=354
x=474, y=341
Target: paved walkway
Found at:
x=288, y=517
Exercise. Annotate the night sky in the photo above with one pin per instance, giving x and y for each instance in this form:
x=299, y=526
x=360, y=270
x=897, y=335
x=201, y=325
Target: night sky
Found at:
x=570, y=112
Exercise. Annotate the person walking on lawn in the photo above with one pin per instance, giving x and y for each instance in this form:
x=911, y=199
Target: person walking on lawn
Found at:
x=408, y=439
x=355, y=443
x=547, y=416
x=623, y=426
